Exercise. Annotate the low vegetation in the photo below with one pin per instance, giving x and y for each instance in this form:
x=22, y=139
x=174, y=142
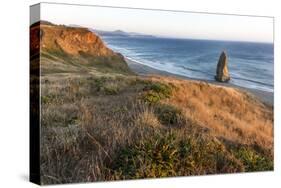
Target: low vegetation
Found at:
x=171, y=154
x=252, y=160
x=155, y=91
x=105, y=127
x=169, y=115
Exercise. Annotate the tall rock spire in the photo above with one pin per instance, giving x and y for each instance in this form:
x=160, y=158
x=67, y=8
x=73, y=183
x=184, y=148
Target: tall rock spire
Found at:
x=222, y=74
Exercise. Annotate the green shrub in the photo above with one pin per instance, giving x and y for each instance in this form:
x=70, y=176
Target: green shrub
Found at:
x=162, y=89
x=72, y=120
x=45, y=100
x=151, y=97
x=169, y=115
x=111, y=89
x=154, y=92
x=153, y=158
x=99, y=83
x=252, y=160
x=48, y=99
x=166, y=155
x=105, y=86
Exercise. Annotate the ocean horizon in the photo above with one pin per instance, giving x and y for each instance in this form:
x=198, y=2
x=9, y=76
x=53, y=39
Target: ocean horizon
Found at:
x=251, y=64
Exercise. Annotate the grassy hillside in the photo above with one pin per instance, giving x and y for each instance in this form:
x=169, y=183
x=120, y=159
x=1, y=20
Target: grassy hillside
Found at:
x=101, y=122
x=112, y=127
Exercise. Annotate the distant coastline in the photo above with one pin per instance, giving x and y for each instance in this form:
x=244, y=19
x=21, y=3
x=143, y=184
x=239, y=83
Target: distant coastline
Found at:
x=250, y=64
x=144, y=70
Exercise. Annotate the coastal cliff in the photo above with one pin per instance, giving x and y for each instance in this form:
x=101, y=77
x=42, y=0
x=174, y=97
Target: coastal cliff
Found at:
x=73, y=46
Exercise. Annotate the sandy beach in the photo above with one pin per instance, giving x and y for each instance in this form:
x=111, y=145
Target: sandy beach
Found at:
x=144, y=70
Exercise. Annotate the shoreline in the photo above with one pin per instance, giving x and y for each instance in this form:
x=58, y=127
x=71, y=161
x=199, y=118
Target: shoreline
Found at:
x=144, y=70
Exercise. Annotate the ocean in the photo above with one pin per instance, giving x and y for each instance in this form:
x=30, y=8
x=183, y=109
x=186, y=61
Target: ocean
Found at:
x=251, y=65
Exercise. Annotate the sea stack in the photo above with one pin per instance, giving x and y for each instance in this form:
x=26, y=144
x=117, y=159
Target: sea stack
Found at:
x=222, y=70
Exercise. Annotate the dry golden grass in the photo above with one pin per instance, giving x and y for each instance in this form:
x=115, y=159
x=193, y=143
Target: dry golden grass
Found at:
x=99, y=127
x=147, y=118
x=229, y=113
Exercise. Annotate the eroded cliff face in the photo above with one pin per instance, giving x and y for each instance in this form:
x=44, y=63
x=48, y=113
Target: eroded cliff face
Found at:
x=73, y=41
x=34, y=39
x=73, y=45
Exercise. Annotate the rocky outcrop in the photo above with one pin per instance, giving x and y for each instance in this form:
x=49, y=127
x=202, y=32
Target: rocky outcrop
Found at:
x=34, y=40
x=75, y=45
x=73, y=41
x=222, y=74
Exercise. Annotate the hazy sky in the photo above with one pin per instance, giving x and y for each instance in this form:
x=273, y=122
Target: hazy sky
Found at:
x=163, y=23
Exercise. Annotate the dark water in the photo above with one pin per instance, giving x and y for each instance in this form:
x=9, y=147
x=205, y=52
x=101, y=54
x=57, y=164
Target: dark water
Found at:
x=250, y=64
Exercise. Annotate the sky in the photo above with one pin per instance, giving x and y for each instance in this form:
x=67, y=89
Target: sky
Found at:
x=163, y=23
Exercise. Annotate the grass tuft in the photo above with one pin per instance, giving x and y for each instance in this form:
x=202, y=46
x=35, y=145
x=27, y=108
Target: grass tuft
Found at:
x=111, y=89
x=155, y=91
x=252, y=160
x=169, y=115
